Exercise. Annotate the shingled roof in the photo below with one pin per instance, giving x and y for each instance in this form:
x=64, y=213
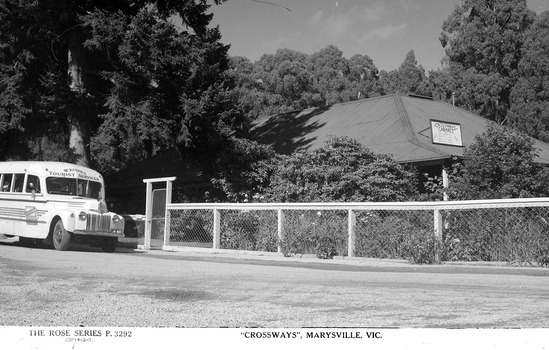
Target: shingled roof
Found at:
x=393, y=124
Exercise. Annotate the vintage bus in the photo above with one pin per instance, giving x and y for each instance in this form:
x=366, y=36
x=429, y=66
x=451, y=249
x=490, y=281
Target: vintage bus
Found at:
x=57, y=203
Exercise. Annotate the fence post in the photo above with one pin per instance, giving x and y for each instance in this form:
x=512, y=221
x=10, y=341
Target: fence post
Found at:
x=216, y=229
x=438, y=233
x=351, y=225
x=280, y=229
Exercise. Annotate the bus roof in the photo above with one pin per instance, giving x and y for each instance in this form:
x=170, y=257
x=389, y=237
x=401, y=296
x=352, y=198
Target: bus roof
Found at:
x=58, y=169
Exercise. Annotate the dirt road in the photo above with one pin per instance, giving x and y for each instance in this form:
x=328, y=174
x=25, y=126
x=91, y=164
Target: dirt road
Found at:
x=44, y=287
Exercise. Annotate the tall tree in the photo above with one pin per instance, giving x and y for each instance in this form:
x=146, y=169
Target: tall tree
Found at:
x=440, y=84
x=408, y=78
x=286, y=77
x=167, y=84
x=530, y=95
x=330, y=69
x=70, y=68
x=483, y=40
x=363, y=77
x=291, y=80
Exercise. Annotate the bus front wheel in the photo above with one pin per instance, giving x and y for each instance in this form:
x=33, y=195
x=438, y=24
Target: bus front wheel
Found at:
x=61, y=237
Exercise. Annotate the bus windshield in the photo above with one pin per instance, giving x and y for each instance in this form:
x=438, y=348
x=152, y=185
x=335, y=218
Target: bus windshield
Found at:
x=73, y=187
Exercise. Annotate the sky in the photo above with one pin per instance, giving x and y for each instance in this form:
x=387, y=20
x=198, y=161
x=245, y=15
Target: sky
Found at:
x=385, y=30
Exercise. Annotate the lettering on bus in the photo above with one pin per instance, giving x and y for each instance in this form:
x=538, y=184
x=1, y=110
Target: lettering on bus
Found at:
x=75, y=174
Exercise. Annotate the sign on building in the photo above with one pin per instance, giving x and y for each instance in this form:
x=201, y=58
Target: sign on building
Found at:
x=446, y=133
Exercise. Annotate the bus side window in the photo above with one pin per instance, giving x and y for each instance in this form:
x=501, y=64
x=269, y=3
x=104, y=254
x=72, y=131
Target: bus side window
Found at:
x=33, y=183
x=18, y=182
x=6, y=182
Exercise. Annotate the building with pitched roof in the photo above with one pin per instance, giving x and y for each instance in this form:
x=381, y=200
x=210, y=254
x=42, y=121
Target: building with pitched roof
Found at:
x=413, y=129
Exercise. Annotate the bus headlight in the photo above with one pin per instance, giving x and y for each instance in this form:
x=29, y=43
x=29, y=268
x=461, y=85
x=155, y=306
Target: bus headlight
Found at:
x=115, y=219
x=82, y=216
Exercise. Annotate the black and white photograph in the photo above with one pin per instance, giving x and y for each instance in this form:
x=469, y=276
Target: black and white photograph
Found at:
x=365, y=174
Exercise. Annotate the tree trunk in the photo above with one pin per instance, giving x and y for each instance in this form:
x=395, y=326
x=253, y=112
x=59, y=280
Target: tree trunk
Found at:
x=77, y=114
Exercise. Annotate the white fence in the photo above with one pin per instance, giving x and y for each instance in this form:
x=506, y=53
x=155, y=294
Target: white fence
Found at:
x=504, y=229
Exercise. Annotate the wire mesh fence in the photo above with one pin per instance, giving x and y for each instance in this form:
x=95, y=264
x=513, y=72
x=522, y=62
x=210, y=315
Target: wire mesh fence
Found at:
x=492, y=230
x=321, y=232
x=389, y=233
x=249, y=230
x=193, y=227
x=514, y=234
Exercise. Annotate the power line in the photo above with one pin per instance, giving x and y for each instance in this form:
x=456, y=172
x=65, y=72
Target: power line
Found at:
x=272, y=3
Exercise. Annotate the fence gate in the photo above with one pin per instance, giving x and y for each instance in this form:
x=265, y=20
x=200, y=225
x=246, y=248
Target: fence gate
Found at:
x=156, y=226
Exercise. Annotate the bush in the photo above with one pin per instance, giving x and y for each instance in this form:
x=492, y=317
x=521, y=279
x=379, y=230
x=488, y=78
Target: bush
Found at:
x=191, y=226
x=323, y=233
x=385, y=234
x=254, y=231
x=421, y=247
x=342, y=170
x=500, y=163
x=514, y=235
x=326, y=248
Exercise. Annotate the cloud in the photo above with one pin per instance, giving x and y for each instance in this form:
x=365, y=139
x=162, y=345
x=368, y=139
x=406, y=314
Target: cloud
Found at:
x=338, y=25
x=374, y=12
x=383, y=32
x=342, y=21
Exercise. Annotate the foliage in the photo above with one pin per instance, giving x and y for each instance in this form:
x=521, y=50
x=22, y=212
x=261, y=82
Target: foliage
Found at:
x=515, y=235
x=394, y=235
x=483, y=42
x=114, y=81
x=530, y=95
x=35, y=99
x=341, y=170
x=167, y=84
x=408, y=78
x=244, y=170
x=421, y=247
x=500, y=163
x=291, y=80
x=329, y=71
x=191, y=226
x=322, y=233
x=249, y=231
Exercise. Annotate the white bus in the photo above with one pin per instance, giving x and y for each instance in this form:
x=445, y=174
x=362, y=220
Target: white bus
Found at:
x=56, y=202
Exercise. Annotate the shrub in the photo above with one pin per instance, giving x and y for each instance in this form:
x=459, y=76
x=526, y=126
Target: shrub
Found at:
x=191, y=226
x=341, y=170
x=326, y=248
x=384, y=234
x=500, y=163
x=323, y=233
x=515, y=235
x=421, y=247
x=249, y=231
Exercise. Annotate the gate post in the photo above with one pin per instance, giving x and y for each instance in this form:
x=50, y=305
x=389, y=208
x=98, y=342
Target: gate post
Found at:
x=148, y=216
x=149, y=208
